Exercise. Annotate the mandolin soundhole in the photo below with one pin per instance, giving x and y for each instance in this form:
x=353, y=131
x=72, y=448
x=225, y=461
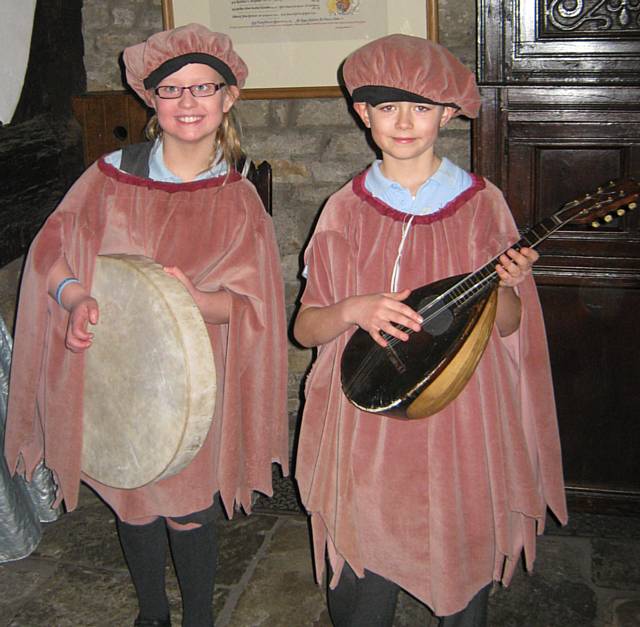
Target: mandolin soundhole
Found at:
x=435, y=322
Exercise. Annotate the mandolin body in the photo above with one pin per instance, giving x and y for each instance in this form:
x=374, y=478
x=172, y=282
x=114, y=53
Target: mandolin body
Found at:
x=417, y=378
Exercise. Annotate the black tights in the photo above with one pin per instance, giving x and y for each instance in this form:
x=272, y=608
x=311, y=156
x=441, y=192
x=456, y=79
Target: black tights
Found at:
x=371, y=602
x=194, y=555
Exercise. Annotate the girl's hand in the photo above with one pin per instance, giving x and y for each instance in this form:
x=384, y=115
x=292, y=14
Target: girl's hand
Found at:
x=379, y=313
x=515, y=265
x=81, y=313
x=215, y=307
x=174, y=271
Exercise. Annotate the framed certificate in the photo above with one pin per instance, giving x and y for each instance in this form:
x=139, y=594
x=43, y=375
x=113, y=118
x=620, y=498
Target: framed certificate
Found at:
x=294, y=47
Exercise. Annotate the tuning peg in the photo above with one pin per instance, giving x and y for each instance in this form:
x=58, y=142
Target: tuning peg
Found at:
x=620, y=212
x=595, y=224
x=632, y=205
x=608, y=218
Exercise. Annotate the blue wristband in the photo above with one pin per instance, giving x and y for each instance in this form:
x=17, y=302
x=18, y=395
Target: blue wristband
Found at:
x=61, y=287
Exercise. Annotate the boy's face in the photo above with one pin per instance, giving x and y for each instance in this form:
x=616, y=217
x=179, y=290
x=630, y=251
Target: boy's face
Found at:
x=404, y=130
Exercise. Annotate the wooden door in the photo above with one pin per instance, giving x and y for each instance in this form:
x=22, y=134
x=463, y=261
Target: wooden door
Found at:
x=561, y=115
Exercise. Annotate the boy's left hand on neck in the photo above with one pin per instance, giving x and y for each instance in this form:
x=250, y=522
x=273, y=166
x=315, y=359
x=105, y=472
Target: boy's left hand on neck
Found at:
x=515, y=266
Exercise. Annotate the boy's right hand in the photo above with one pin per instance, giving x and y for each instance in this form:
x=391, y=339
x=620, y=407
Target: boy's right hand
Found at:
x=379, y=313
x=81, y=313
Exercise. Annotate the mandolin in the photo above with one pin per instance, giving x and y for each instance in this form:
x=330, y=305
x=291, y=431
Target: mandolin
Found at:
x=417, y=378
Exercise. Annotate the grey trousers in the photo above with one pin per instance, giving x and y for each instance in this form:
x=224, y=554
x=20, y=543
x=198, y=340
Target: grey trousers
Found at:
x=371, y=602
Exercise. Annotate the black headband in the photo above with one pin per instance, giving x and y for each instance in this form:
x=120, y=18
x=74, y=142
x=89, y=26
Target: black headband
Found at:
x=377, y=94
x=174, y=64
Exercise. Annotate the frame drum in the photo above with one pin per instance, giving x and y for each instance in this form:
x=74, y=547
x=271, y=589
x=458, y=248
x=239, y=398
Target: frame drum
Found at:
x=150, y=379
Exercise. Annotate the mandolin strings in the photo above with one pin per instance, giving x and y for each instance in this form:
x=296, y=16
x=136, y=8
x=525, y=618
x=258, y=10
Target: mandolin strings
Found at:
x=487, y=273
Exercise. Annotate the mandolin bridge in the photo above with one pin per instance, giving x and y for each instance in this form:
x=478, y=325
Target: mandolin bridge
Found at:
x=394, y=358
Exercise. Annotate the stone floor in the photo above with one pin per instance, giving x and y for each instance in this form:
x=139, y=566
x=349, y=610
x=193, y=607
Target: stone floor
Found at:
x=587, y=574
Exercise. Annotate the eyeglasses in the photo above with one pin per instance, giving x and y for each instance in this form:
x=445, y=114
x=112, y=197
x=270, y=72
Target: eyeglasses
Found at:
x=203, y=90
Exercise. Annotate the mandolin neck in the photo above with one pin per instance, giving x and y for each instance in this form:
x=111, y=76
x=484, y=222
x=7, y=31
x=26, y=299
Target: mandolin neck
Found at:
x=486, y=277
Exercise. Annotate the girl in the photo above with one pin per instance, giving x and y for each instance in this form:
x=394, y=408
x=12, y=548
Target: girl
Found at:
x=180, y=201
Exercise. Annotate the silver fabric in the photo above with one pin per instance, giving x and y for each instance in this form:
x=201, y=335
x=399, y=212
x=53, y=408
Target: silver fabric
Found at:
x=23, y=504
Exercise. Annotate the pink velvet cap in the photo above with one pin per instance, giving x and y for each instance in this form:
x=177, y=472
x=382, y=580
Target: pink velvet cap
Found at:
x=166, y=52
x=406, y=68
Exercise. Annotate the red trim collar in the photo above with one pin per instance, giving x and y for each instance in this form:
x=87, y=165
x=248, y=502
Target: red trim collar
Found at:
x=383, y=208
x=124, y=177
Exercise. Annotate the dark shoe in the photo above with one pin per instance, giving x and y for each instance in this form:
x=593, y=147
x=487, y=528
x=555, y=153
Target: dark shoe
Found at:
x=152, y=622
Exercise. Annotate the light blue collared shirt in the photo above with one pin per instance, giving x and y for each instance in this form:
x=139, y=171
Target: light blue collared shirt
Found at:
x=158, y=171
x=447, y=182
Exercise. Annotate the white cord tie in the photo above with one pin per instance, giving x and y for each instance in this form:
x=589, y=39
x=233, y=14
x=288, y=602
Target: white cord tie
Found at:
x=395, y=275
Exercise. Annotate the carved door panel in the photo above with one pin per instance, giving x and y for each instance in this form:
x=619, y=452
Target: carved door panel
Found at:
x=568, y=42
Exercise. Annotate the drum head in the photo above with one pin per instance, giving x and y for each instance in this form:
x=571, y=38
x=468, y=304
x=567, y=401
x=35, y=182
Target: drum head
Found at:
x=150, y=381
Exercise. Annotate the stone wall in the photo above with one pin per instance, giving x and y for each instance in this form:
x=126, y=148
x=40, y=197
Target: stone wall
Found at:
x=108, y=27
x=313, y=145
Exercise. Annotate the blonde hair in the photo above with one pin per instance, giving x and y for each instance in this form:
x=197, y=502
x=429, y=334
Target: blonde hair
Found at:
x=226, y=142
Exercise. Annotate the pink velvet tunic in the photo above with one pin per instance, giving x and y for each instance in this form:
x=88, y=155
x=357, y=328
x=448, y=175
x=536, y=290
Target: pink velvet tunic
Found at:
x=443, y=505
x=219, y=234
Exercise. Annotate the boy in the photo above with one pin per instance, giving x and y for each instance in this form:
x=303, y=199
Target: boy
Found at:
x=444, y=505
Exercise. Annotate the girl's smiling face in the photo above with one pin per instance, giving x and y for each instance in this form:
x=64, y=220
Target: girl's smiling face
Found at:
x=190, y=120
